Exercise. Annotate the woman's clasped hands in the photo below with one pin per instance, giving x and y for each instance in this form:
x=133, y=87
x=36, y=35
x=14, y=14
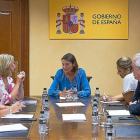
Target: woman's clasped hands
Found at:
x=20, y=77
x=68, y=92
x=17, y=107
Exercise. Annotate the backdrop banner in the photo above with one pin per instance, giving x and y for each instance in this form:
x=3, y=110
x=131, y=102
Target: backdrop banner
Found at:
x=88, y=19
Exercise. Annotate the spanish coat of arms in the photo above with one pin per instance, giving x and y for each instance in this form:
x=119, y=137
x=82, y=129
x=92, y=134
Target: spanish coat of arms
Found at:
x=70, y=20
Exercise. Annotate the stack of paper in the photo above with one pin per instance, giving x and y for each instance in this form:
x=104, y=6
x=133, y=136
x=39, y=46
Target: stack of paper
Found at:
x=70, y=104
x=118, y=112
x=18, y=116
x=73, y=117
x=63, y=98
x=12, y=127
x=109, y=102
x=28, y=101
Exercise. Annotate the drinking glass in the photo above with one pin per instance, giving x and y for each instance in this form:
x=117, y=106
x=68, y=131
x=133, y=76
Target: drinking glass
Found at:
x=69, y=96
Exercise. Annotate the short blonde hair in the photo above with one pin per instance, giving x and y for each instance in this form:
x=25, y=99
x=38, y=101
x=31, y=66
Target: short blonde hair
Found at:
x=124, y=62
x=5, y=61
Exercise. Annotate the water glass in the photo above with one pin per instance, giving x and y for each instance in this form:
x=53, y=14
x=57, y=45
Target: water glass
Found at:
x=68, y=96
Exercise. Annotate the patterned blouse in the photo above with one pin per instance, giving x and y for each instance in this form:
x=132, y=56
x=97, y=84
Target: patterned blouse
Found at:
x=5, y=97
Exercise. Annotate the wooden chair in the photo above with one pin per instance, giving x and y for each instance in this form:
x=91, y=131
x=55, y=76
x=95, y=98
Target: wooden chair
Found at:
x=88, y=78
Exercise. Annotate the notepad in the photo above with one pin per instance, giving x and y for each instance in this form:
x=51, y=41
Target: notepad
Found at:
x=109, y=102
x=28, y=101
x=61, y=97
x=18, y=116
x=70, y=104
x=118, y=112
x=12, y=127
x=74, y=117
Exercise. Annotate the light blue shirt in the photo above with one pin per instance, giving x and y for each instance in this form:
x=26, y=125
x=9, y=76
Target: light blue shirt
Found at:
x=61, y=81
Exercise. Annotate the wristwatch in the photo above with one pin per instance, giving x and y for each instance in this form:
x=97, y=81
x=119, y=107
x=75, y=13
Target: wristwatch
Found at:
x=10, y=110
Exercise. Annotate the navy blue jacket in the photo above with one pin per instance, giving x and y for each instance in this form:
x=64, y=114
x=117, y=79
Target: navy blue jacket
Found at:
x=135, y=108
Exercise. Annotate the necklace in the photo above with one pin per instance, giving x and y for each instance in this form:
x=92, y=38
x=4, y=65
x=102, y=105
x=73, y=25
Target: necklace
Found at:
x=7, y=87
x=71, y=76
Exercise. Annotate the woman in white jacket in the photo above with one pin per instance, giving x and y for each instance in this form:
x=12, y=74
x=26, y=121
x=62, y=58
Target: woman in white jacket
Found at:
x=124, y=67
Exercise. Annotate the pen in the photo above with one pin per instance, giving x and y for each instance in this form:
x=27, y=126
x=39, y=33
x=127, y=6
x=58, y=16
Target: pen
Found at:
x=115, y=105
x=104, y=96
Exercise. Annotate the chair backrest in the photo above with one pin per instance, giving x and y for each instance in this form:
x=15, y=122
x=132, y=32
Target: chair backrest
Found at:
x=88, y=78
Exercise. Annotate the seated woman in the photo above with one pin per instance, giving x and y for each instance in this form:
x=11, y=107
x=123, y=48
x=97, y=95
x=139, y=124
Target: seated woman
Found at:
x=68, y=77
x=5, y=110
x=8, y=90
x=129, y=82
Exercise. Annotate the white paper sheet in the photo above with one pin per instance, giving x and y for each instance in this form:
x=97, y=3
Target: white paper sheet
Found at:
x=18, y=116
x=74, y=117
x=61, y=97
x=28, y=101
x=109, y=102
x=70, y=104
x=12, y=127
x=118, y=112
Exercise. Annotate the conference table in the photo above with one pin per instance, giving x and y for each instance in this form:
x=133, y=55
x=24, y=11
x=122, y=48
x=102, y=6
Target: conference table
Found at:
x=60, y=130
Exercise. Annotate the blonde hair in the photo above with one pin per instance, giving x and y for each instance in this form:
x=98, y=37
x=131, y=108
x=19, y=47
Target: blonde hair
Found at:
x=124, y=62
x=5, y=61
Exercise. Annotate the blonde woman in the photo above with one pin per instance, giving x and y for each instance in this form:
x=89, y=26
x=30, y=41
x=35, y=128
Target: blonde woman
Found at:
x=8, y=90
x=124, y=67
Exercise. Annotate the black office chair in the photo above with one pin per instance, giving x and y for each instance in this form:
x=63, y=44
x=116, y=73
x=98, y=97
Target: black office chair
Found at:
x=88, y=78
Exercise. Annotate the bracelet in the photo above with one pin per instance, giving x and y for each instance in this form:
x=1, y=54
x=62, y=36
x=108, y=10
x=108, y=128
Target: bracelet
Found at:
x=10, y=110
x=6, y=106
x=22, y=86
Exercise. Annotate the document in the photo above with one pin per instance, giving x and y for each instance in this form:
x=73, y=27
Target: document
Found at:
x=73, y=117
x=28, y=102
x=61, y=97
x=110, y=102
x=70, y=104
x=118, y=112
x=12, y=127
x=18, y=116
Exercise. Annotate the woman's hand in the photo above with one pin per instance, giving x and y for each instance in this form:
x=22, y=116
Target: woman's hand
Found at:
x=107, y=98
x=20, y=103
x=132, y=103
x=70, y=92
x=17, y=107
x=20, y=78
x=23, y=74
x=63, y=92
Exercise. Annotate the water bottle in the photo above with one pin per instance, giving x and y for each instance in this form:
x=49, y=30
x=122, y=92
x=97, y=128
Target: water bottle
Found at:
x=94, y=101
x=42, y=123
x=109, y=136
x=44, y=95
x=109, y=122
x=95, y=115
x=94, y=132
x=109, y=126
x=46, y=108
x=97, y=95
x=75, y=93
